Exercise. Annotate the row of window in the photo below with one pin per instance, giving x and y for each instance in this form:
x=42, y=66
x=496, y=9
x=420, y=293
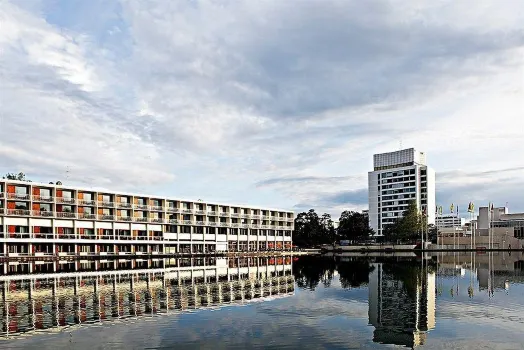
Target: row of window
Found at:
x=110, y=198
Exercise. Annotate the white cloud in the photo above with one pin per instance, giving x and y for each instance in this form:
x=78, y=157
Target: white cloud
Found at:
x=222, y=96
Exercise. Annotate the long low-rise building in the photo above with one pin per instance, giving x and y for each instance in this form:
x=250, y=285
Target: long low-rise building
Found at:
x=46, y=219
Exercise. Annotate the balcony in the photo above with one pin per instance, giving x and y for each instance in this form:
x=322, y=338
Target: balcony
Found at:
x=43, y=213
x=125, y=205
x=212, y=223
x=245, y=225
x=65, y=200
x=264, y=226
x=156, y=208
x=200, y=223
x=212, y=213
x=157, y=220
x=66, y=214
x=106, y=217
x=43, y=198
x=235, y=224
x=187, y=211
x=256, y=226
x=187, y=222
x=106, y=204
x=125, y=218
x=255, y=216
x=18, y=196
x=200, y=212
x=224, y=214
x=140, y=219
x=87, y=216
x=86, y=202
x=18, y=212
x=173, y=210
x=235, y=215
x=173, y=221
x=245, y=216
x=141, y=206
x=224, y=224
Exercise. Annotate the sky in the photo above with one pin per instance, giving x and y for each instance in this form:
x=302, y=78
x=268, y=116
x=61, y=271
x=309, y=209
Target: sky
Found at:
x=266, y=103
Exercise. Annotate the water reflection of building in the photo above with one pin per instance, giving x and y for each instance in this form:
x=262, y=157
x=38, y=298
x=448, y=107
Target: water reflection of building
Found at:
x=60, y=294
x=401, y=304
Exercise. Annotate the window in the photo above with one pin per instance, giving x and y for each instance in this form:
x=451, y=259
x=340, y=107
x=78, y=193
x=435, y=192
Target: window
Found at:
x=45, y=193
x=45, y=207
x=67, y=194
x=67, y=209
x=123, y=200
x=21, y=190
x=106, y=198
x=88, y=197
x=21, y=205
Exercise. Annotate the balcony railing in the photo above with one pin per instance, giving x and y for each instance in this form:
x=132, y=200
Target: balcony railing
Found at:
x=106, y=204
x=87, y=216
x=245, y=225
x=255, y=226
x=212, y=213
x=43, y=213
x=187, y=222
x=125, y=205
x=264, y=226
x=173, y=221
x=106, y=217
x=224, y=224
x=235, y=215
x=65, y=200
x=157, y=220
x=66, y=214
x=42, y=198
x=200, y=223
x=18, y=196
x=255, y=216
x=18, y=212
x=224, y=214
x=245, y=216
x=141, y=206
x=173, y=210
x=235, y=224
x=188, y=211
x=140, y=219
x=86, y=202
x=200, y=212
x=212, y=223
x=125, y=218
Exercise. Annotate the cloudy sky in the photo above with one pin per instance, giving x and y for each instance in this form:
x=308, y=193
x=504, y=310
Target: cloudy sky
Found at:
x=278, y=103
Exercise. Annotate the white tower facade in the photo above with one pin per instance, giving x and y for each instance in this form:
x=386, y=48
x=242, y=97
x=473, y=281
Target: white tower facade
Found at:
x=397, y=178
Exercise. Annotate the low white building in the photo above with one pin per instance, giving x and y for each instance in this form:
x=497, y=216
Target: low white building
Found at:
x=449, y=220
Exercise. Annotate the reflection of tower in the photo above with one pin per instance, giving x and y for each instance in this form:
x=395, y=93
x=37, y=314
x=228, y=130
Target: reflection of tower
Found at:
x=401, y=304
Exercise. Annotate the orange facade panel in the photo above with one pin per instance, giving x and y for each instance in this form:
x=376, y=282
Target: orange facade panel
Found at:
x=36, y=206
x=80, y=195
x=10, y=189
x=80, y=210
x=11, y=205
x=59, y=193
x=36, y=191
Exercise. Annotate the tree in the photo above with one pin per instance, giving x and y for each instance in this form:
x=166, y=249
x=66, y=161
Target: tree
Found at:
x=354, y=226
x=312, y=230
x=408, y=227
x=19, y=177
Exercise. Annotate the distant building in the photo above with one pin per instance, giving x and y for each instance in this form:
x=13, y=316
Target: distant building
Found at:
x=449, y=220
x=501, y=222
x=397, y=178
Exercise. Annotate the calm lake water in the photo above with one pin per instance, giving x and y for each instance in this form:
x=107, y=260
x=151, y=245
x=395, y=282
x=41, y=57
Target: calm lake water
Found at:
x=340, y=302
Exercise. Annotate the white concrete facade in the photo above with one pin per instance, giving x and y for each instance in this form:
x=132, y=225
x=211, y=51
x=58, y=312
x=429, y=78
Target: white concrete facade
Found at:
x=38, y=218
x=399, y=177
x=449, y=220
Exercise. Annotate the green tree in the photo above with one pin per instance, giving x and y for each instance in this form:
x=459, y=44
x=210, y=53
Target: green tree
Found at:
x=407, y=228
x=12, y=176
x=354, y=226
x=312, y=230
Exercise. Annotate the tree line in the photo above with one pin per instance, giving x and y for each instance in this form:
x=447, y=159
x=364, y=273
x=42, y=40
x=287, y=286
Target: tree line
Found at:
x=313, y=230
